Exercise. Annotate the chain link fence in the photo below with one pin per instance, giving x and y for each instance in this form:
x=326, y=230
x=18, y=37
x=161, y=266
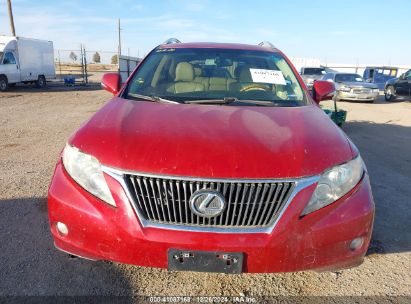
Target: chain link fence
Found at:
x=81, y=66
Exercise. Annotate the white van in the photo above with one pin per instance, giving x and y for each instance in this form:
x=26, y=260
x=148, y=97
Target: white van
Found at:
x=25, y=60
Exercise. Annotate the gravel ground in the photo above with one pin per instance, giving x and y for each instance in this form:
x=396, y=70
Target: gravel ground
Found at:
x=34, y=126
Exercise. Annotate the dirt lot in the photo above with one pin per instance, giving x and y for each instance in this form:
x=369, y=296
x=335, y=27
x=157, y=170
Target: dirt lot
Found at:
x=34, y=126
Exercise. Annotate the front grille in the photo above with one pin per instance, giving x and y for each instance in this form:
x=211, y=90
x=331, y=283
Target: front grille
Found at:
x=361, y=91
x=249, y=204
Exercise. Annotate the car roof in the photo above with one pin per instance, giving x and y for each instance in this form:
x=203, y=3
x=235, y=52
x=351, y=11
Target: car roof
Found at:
x=215, y=45
x=345, y=73
x=382, y=67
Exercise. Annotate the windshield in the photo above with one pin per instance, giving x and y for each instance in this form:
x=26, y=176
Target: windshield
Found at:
x=186, y=75
x=313, y=71
x=348, y=78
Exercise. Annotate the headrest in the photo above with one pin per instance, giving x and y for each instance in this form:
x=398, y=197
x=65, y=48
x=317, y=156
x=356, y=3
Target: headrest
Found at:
x=244, y=75
x=197, y=71
x=184, y=72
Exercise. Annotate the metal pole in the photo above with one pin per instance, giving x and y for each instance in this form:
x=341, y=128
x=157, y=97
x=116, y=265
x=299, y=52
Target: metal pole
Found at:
x=85, y=65
x=119, y=45
x=119, y=38
x=128, y=62
x=59, y=63
x=82, y=62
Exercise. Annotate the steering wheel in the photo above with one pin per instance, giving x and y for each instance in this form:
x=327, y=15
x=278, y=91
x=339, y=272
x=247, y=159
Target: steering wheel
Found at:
x=255, y=87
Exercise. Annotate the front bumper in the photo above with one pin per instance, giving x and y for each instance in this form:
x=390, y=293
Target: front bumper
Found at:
x=356, y=96
x=318, y=241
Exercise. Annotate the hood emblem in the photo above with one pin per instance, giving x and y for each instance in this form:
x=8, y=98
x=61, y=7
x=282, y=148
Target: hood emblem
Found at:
x=207, y=203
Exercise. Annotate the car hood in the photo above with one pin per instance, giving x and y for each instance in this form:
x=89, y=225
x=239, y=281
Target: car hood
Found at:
x=392, y=80
x=213, y=141
x=360, y=85
x=313, y=77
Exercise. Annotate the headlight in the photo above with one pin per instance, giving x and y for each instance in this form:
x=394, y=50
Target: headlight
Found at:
x=375, y=90
x=86, y=171
x=344, y=89
x=335, y=183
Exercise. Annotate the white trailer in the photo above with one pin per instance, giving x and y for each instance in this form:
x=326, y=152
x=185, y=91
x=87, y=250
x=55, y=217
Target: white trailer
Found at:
x=25, y=60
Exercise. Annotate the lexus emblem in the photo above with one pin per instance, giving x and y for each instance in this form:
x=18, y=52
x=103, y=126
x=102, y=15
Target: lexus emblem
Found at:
x=207, y=203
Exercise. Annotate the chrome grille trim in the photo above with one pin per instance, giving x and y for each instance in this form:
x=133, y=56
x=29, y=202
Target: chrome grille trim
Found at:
x=231, y=186
x=362, y=90
x=241, y=212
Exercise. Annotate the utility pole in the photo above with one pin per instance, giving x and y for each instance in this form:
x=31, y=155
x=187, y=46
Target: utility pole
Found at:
x=119, y=38
x=13, y=30
x=119, y=45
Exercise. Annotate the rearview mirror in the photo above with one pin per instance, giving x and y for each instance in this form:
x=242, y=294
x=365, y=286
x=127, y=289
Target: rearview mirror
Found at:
x=111, y=82
x=323, y=90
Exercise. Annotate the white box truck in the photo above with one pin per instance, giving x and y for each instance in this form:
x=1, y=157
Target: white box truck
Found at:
x=25, y=60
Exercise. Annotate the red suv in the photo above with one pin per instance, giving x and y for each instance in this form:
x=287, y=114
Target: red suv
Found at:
x=213, y=157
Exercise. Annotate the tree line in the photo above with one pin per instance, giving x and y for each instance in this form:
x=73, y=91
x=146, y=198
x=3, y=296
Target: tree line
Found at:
x=96, y=58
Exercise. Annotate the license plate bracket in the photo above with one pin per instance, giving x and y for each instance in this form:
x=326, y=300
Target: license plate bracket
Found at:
x=205, y=261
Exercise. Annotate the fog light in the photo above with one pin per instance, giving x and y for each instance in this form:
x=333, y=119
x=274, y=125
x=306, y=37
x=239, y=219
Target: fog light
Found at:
x=356, y=243
x=62, y=228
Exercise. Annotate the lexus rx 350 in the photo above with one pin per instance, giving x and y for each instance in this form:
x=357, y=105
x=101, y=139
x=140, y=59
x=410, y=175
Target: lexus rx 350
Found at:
x=213, y=157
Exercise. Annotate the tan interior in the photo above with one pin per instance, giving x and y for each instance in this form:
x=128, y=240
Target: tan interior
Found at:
x=244, y=78
x=189, y=79
x=213, y=83
x=184, y=80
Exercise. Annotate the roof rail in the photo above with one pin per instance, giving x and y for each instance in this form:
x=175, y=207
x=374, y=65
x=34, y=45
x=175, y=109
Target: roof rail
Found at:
x=171, y=41
x=267, y=44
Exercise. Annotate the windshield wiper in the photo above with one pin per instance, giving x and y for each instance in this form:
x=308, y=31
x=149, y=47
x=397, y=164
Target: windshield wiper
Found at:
x=228, y=100
x=152, y=98
x=213, y=101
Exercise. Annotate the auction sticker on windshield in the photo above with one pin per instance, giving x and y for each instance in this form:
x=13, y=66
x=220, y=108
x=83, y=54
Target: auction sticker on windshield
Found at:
x=267, y=76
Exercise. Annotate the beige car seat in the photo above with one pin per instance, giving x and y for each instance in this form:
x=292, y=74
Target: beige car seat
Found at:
x=184, y=80
x=201, y=79
x=213, y=83
x=243, y=77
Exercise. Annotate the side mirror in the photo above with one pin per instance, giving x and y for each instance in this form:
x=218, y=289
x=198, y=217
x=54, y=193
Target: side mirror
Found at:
x=323, y=90
x=402, y=77
x=111, y=82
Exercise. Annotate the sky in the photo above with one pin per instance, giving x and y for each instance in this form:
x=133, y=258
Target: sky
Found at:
x=347, y=31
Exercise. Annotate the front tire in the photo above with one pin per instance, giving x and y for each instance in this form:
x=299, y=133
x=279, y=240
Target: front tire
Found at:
x=389, y=93
x=3, y=83
x=41, y=82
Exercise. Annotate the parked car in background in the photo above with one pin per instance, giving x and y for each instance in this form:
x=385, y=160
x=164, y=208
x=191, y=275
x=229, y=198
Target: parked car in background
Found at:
x=25, y=60
x=379, y=75
x=311, y=74
x=398, y=87
x=352, y=87
x=192, y=168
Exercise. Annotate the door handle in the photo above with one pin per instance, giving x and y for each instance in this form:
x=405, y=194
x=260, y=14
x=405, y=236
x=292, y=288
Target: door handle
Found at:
x=17, y=67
